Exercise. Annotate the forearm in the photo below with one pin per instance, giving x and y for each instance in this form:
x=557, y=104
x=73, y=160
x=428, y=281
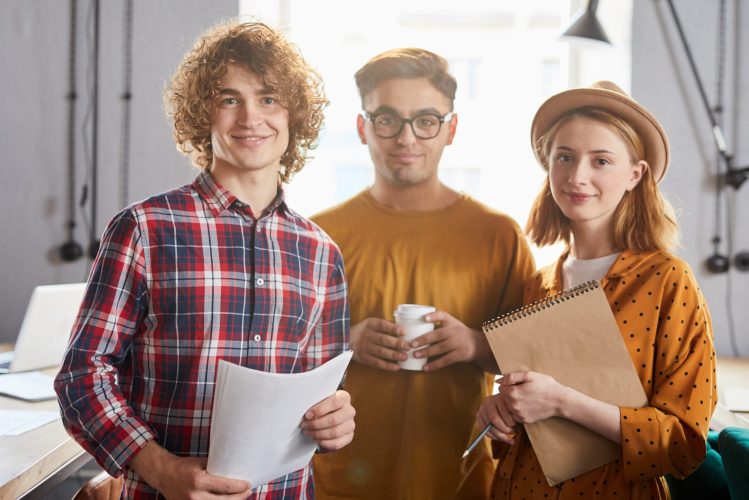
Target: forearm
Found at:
x=151, y=464
x=602, y=418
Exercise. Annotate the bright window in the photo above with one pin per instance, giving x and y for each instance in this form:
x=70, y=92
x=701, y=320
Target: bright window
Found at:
x=506, y=57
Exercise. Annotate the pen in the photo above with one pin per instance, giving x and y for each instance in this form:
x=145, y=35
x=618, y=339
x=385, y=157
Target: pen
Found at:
x=476, y=441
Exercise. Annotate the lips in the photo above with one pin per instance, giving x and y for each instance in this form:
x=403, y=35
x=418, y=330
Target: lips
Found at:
x=406, y=157
x=579, y=197
x=249, y=138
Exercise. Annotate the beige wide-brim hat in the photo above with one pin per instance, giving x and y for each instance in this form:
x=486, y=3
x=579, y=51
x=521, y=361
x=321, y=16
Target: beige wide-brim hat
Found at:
x=607, y=96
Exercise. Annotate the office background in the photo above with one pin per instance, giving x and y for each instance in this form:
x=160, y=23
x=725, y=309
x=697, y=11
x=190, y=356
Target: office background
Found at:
x=34, y=48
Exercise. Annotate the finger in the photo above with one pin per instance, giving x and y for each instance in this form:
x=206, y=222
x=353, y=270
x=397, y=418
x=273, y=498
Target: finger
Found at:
x=330, y=420
x=432, y=338
x=441, y=362
x=489, y=414
x=385, y=326
x=498, y=415
x=385, y=353
x=439, y=347
x=438, y=317
x=331, y=404
x=506, y=414
x=387, y=342
x=374, y=361
x=501, y=436
x=332, y=433
x=224, y=485
x=336, y=444
x=514, y=378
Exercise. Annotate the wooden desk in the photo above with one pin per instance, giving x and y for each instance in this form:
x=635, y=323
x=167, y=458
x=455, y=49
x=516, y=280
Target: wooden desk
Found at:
x=35, y=462
x=731, y=372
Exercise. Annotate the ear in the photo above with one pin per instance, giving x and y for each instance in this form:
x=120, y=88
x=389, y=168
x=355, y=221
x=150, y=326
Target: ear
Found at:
x=638, y=171
x=360, y=128
x=453, y=127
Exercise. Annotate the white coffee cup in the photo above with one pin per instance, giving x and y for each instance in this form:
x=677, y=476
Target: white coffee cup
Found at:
x=411, y=317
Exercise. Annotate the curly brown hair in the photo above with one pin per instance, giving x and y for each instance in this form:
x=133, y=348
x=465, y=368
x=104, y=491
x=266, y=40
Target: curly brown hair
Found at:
x=189, y=97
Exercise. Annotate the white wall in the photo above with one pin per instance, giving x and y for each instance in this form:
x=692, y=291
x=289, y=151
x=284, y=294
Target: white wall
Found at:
x=34, y=54
x=33, y=48
x=662, y=80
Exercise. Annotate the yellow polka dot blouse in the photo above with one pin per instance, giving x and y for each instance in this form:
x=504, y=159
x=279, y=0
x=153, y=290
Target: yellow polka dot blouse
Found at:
x=666, y=327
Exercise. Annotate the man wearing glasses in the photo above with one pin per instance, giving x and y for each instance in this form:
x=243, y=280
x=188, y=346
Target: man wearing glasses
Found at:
x=410, y=239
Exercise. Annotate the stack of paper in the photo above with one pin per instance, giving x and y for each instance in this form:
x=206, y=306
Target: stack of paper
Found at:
x=29, y=386
x=736, y=398
x=15, y=422
x=255, y=433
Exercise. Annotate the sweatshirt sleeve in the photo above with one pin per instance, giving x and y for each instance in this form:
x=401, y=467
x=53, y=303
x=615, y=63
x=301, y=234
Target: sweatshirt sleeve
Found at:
x=668, y=436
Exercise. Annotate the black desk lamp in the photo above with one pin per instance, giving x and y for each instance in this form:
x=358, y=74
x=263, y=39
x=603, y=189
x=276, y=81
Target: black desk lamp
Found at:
x=586, y=25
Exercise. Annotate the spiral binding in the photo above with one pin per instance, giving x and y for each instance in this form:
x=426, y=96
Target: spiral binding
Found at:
x=540, y=305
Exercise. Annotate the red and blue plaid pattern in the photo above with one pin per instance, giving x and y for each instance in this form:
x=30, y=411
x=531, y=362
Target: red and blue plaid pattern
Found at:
x=182, y=280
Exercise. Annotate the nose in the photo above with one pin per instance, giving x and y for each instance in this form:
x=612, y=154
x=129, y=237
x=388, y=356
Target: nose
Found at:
x=407, y=135
x=578, y=174
x=248, y=115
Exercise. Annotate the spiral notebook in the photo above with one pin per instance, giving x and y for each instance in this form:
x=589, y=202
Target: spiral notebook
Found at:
x=573, y=337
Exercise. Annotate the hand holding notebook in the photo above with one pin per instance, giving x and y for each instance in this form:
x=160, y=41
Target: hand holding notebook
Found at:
x=573, y=337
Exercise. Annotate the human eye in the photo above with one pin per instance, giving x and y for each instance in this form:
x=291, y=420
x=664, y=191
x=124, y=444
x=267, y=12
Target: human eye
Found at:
x=602, y=162
x=426, y=121
x=386, y=120
x=269, y=100
x=563, y=158
x=228, y=101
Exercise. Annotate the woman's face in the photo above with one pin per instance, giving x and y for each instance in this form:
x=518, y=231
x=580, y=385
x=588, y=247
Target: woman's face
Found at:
x=590, y=169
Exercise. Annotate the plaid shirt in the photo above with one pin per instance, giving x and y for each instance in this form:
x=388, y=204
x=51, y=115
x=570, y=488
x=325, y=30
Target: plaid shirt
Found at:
x=182, y=280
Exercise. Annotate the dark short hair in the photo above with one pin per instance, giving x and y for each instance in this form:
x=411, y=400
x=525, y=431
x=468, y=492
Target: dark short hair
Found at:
x=263, y=51
x=406, y=63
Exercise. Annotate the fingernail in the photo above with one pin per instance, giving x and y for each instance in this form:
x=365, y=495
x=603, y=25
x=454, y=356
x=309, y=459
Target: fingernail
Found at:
x=308, y=415
x=415, y=344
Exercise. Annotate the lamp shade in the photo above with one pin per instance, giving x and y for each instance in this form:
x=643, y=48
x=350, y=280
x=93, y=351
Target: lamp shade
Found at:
x=586, y=25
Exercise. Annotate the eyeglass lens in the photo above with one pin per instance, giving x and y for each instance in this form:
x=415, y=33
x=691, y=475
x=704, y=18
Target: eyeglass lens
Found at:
x=426, y=126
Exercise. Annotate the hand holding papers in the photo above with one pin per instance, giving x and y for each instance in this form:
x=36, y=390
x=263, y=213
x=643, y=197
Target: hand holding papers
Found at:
x=255, y=433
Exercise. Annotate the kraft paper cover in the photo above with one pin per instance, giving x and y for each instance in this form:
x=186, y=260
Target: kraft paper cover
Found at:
x=573, y=337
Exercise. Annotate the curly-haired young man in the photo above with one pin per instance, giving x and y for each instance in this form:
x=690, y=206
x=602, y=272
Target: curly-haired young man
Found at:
x=218, y=269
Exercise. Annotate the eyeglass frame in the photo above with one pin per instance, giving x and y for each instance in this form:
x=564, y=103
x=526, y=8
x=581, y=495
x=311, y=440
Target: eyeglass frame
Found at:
x=447, y=117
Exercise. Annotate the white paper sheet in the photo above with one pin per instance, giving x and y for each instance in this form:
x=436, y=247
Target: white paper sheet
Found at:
x=30, y=386
x=736, y=398
x=255, y=433
x=15, y=422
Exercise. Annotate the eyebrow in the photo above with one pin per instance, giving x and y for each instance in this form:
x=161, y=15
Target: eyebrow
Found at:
x=597, y=151
x=423, y=111
x=228, y=91
x=267, y=90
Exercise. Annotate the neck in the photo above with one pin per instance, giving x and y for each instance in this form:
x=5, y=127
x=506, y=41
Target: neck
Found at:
x=590, y=242
x=258, y=189
x=422, y=197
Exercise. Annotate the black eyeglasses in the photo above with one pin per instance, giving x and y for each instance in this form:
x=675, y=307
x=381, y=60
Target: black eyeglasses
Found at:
x=425, y=126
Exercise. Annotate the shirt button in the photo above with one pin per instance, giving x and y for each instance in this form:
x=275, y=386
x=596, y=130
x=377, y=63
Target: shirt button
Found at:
x=257, y=338
x=258, y=228
x=259, y=281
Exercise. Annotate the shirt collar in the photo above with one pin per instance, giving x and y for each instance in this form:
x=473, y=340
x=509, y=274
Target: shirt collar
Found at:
x=219, y=198
x=627, y=262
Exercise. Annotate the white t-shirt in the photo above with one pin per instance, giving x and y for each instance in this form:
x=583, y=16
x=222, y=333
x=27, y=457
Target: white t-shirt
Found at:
x=578, y=271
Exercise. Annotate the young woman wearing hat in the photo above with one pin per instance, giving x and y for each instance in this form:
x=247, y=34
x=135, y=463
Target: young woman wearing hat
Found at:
x=604, y=155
